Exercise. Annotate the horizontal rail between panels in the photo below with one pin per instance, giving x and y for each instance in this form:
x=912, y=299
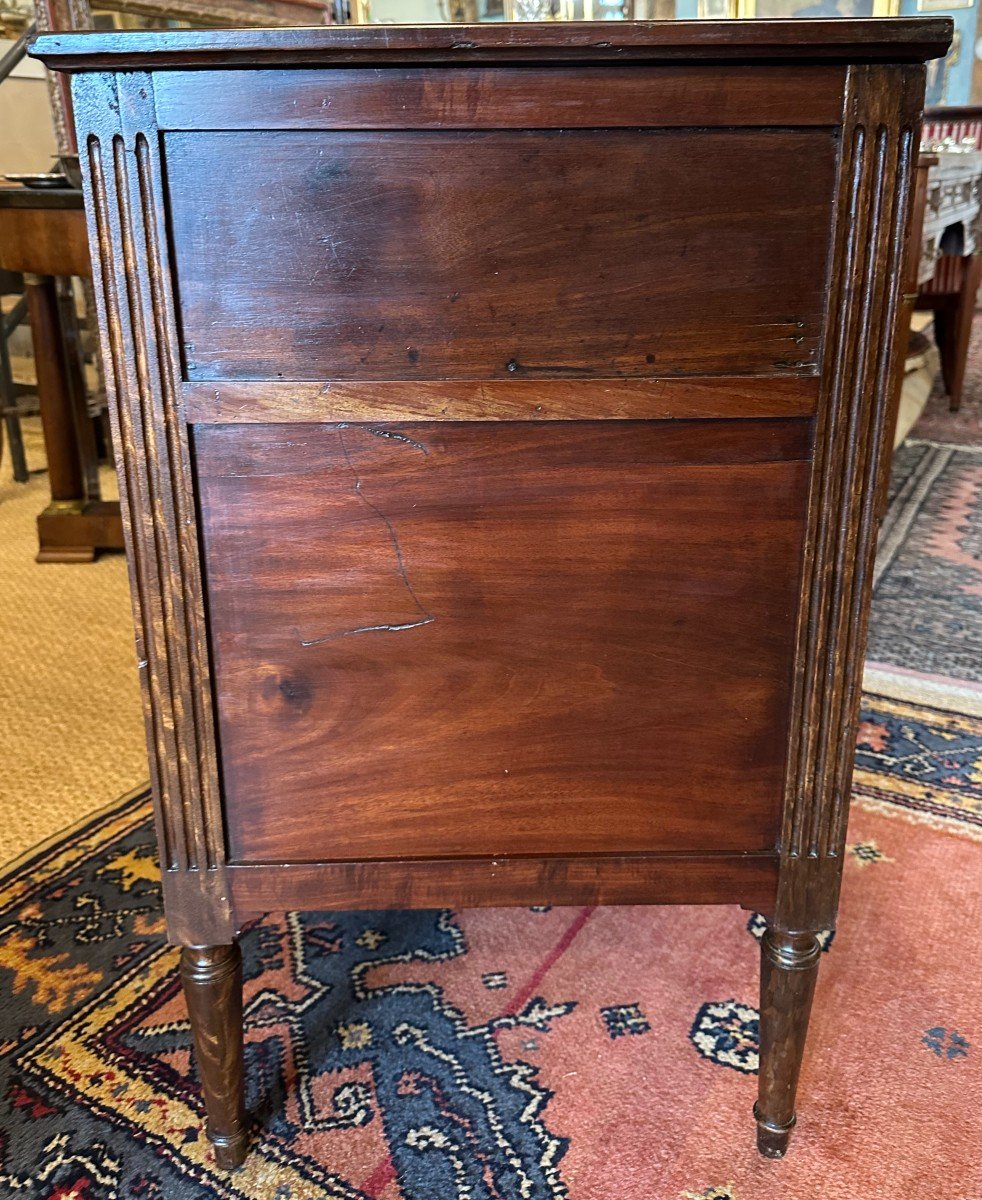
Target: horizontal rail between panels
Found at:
x=706, y=398
x=748, y=879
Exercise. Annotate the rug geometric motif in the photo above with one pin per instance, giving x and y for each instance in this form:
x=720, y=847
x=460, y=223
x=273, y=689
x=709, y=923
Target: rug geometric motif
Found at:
x=498, y=1054
x=920, y=762
x=327, y=1047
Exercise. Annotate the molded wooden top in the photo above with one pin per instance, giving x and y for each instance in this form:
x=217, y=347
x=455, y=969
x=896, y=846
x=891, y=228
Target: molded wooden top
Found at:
x=17, y=196
x=879, y=39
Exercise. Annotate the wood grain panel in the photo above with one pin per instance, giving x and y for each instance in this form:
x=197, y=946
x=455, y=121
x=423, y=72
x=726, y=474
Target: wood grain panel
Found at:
x=747, y=879
x=481, y=640
x=45, y=241
x=710, y=398
x=485, y=255
x=501, y=98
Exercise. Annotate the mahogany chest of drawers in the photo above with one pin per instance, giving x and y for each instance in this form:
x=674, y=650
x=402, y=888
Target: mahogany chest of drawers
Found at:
x=498, y=412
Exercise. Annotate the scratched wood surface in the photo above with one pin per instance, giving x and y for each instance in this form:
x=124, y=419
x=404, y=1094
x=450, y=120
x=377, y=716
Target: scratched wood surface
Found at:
x=465, y=640
x=495, y=255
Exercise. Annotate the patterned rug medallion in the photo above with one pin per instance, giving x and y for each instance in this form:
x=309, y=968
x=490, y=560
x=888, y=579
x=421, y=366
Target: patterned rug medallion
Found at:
x=502, y=1054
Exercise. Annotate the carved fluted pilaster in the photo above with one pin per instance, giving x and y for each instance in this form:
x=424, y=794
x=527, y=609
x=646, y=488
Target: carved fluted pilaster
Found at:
x=122, y=176
x=876, y=162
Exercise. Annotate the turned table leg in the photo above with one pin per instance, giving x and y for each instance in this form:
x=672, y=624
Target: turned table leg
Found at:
x=54, y=391
x=788, y=969
x=961, y=328
x=212, y=979
x=74, y=525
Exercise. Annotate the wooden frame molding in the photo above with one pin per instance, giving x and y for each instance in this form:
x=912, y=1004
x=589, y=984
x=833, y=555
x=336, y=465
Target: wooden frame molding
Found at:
x=502, y=400
x=438, y=883
x=832, y=40
x=500, y=98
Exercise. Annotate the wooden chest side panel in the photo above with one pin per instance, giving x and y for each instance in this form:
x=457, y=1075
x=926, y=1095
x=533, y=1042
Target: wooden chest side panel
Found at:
x=500, y=254
x=443, y=639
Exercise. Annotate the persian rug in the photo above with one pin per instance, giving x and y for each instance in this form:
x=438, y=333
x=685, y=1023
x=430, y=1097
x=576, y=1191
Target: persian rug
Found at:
x=925, y=638
x=524, y=1054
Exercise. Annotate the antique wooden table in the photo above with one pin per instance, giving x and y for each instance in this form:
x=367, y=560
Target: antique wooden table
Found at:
x=494, y=538
x=42, y=233
x=949, y=269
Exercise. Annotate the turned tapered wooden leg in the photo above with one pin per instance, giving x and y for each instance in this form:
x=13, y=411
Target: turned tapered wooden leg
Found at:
x=788, y=969
x=212, y=979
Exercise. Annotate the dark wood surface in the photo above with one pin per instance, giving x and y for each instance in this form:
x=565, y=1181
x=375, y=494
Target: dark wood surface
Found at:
x=951, y=269
x=65, y=478
x=370, y=590
x=587, y=97
x=954, y=311
x=788, y=973
x=712, y=397
x=746, y=879
x=892, y=40
x=16, y=195
x=489, y=255
x=212, y=980
x=463, y=587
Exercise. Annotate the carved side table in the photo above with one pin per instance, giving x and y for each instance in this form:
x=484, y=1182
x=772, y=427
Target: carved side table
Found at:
x=42, y=234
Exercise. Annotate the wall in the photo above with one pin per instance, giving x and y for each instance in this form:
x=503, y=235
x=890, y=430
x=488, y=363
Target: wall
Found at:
x=957, y=86
x=27, y=139
x=955, y=82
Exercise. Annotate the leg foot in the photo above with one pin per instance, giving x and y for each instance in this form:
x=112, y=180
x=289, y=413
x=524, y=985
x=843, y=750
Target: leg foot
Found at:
x=772, y=1140
x=212, y=979
x=788, y=969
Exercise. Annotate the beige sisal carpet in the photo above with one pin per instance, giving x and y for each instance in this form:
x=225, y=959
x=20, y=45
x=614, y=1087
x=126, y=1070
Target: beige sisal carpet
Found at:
x=71, y=730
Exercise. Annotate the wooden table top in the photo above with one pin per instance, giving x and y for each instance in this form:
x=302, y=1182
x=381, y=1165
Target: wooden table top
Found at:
x=42, y=231
x=878, y=39
x=15, y=195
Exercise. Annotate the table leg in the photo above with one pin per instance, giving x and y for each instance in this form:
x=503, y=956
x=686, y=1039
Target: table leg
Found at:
x=71, y=528
x=788, y=969
x=961, y=328
x=8, y=406
x=84, y=424
x=212, y=980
